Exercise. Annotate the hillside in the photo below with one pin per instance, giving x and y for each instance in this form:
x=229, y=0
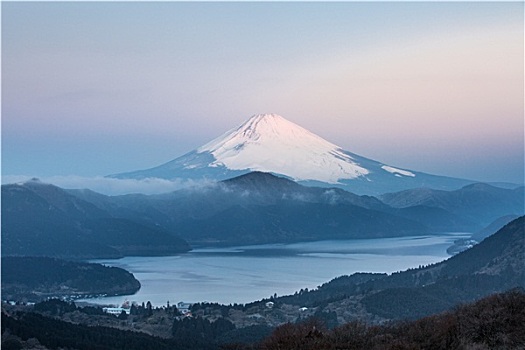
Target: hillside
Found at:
x=480, y=203
x=494, y=265
x=38, y=278
x=260, y=208
x=347, y=312
x=494, y=226
x=495, y=322
x=44, y=220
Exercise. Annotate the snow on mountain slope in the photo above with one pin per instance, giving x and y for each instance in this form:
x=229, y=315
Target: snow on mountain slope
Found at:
x=397, y=172
x=270, y=143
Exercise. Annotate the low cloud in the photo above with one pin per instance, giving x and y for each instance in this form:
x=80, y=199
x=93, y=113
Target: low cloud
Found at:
x=300, y=197
x=331, y=196
x=111, y=186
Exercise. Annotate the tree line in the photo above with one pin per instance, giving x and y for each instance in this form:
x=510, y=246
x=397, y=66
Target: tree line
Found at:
x=493, y=322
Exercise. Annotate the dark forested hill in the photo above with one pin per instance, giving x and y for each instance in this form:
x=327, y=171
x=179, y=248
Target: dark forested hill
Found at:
x=342, y=307
x=495, y=322
x=37, y=278
x=497, y=264
x=493, y=227
x=293, y=222
x=44, y=220
x=40, y=219
x=260, y=208
x=56, y=334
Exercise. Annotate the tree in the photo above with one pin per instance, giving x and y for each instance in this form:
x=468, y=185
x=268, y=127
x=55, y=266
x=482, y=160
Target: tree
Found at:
x=149, y=308
x=123, y=315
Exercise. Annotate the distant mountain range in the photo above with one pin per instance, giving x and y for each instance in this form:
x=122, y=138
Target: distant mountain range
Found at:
x=41, y=219
x=478, y=202
x=270, y=143
x=261, y=208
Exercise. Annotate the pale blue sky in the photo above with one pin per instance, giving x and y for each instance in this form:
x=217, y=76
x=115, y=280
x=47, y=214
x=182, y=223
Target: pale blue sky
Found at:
x=98, y=88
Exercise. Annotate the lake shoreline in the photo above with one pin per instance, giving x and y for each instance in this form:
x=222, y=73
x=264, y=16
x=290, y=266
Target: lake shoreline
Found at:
x=243, y=274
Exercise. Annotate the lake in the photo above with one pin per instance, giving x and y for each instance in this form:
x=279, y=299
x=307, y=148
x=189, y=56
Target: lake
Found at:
x=248, y=273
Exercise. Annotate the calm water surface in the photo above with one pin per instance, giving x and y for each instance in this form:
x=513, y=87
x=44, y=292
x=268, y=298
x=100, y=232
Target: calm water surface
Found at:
x=248, y=273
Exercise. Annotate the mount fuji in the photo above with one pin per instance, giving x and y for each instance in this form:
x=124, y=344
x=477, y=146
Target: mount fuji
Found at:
x=270, y=143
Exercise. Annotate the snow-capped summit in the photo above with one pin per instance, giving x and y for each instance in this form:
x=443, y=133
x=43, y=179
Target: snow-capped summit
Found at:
x=270, y=143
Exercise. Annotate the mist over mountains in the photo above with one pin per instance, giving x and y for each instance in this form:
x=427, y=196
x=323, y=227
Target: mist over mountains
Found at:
x=45, y=220
x=298, y=192
x=270, y=143
x=255, y=208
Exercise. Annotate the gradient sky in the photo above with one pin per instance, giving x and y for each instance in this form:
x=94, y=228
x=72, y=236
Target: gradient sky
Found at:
x=105, y=87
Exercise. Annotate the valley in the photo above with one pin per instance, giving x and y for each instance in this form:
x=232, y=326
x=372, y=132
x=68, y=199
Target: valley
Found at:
x=250, y=254
x=246, y=175
x=359, y=300
x=247, y=273
x=256, y=208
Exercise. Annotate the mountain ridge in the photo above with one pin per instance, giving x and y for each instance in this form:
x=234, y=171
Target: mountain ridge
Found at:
x=270, y=143
x=473, y=201
x=252, y=208
x=494, y=265
x=40, y=219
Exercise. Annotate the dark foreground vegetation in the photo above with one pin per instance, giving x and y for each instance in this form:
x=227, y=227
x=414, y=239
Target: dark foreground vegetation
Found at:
x=18, y=330
x=405, y=310
x=495, y=322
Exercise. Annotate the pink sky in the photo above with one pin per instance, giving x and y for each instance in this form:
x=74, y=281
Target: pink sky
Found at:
x=100, y=88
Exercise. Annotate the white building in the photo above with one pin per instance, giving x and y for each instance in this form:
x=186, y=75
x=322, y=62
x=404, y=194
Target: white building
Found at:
x=115, y=310
x=183, y=307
